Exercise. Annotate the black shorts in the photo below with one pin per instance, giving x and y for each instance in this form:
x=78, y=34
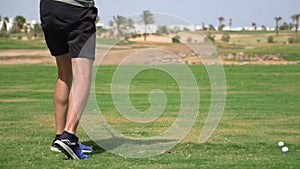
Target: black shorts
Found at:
x=69, y=28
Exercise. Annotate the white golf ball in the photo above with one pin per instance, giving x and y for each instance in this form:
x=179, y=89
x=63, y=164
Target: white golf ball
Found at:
x=285, y=149
x=280, y=143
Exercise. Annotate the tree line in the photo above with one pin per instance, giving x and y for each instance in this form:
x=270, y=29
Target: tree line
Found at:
x=285, y=26
x=123, y=27
x=19, y=25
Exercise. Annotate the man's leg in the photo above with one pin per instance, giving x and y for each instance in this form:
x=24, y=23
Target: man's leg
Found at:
x=62, y=90
x=68, y=143
x=82, y=70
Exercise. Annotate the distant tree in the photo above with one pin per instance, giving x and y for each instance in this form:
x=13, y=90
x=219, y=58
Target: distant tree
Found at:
x=211, y=27
x=270, y=39
x=19, y=23
x=186, y=29
x=118, y=25
x=286, y=26
x=4, y=23
x=254, y=27
x=221, y=25
x=230, y=24
x=6, y=19
x=209, y=38
x=163, y=30
x=291, y=25
x=175, y=29
x=130, y=24
x=3, y=31
x=189, y=40
x=112, y=30
x=225, y=37
x=295, y=19
x=147, y=18
x=37, y=29
x=204, y=28
x=176, y=39
x=277, y=19
x=263, y=28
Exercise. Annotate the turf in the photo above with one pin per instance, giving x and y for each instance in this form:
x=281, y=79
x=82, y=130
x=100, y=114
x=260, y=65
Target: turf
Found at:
x=261, y=109
x=22, y=44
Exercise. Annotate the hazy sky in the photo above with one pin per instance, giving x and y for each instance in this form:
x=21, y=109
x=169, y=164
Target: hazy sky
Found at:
x=242, y=12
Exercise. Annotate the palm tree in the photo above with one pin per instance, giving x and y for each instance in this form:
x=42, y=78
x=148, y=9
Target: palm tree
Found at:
x=221, y=26
x=254, y=27
x=147, y=18
x=230, y=23
x=130, y=25
x=4, y=24
x=295, y=19
x=19, y=21
x=277, y=19
x=211, y=27
x=204, y=28
x=119, y=22
x=37, y=30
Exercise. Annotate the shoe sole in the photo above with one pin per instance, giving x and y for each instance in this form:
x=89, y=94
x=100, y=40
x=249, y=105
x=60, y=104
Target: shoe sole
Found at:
x=66, y=150
x=57, y=150
x=87, y=151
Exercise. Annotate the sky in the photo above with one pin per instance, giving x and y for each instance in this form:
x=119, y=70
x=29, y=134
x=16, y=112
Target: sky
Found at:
x=242, y=12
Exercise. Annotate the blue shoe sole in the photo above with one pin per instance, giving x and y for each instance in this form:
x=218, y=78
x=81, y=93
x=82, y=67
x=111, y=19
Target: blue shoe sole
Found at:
x=57, y=150
x=85, y=149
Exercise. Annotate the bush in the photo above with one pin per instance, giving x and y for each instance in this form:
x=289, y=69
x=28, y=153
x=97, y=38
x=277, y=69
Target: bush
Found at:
x=294, y=39
x=258, y=40
x=189, y=40
x=270, y=39
x=4, y=34
x=225, y=37
x=176, y=39
x=210, y=38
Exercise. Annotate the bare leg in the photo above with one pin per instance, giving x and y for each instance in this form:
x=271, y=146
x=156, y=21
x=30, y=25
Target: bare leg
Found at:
x=62, y=90
x=82, y=69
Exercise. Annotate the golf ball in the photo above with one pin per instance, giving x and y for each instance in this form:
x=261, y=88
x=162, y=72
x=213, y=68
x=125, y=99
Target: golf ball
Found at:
x=280, y=143
x=285, y=149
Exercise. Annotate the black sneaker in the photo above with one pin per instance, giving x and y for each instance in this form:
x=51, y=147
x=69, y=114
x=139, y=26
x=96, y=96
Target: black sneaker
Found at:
x=54, y=148
x=83, y=148
x=68, y=144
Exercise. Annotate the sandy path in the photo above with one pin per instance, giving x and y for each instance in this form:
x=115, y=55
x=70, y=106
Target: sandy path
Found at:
x=42, y=56
x=26, y=56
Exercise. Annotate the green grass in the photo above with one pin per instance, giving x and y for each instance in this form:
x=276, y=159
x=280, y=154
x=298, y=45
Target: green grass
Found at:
x=108, y=41
x=261, y=109
x=290, y=52
x=256, y=43
x=10, y=43
x=22, y=44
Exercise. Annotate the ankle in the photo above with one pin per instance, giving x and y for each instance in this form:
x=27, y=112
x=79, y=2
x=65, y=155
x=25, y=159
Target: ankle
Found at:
x=57, y=136
x=70, y=136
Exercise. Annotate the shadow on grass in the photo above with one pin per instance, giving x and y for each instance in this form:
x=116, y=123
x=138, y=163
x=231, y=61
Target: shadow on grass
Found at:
x=96, y=148
x=116, y=142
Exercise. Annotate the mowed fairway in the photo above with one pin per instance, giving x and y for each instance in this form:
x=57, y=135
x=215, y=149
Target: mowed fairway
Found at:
x=262, y=108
